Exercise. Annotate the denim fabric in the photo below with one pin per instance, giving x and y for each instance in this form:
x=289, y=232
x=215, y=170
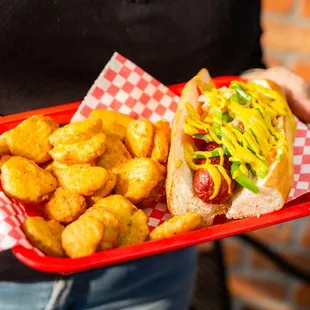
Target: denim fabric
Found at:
x=162, y=282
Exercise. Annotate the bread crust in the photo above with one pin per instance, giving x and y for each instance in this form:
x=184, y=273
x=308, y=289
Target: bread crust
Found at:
x=179, y=184
x=274, y=189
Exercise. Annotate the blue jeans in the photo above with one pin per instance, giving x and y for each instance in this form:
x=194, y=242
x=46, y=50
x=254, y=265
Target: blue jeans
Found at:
x=162, y=282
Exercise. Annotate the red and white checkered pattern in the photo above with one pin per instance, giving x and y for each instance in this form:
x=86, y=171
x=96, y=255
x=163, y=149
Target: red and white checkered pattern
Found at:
x=12, y=216
x=123, y=86
x=301, y=161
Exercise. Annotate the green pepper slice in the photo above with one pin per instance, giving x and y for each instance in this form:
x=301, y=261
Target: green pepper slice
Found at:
x=241, y=96
x=242, y=179
x=201, y=136
x=214, y=153
x=227, y=118
x=217, y=129
x=226, y=151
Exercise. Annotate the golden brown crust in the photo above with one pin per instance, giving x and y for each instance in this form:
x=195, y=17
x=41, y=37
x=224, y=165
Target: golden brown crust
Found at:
x=282, y=177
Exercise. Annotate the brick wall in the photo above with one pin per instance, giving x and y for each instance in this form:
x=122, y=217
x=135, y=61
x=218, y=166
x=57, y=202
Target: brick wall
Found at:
x=286, y=41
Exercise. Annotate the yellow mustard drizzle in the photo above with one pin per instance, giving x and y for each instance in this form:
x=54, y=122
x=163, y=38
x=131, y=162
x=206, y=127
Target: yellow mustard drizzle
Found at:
x=226, y=177
x=212, y=169
x=263, y=135
x=190, y=130
x=243, y=168
x=178, y=163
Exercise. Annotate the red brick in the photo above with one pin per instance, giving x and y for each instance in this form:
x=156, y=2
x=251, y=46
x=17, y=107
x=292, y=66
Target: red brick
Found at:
x=299, y=260
x=302, y=295
x=286, y=37
x=232, y=253
x=261, y=262
x=280, y=234
x=305, y=238
x=302, y=68
x=242, y=285
x=296, y=259
x=282, y=6
x=305, y=8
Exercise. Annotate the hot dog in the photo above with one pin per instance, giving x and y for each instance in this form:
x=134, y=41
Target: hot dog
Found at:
x=231, y=149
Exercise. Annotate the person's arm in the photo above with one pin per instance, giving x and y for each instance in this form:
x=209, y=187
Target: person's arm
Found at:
x=297, y=89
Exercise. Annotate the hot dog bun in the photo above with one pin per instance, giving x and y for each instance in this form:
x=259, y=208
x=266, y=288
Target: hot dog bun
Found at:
x=181, y=198
x=179, y=185
x=275, y=187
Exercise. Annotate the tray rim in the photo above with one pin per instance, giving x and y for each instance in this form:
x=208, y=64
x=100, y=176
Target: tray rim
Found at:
x=295, y=209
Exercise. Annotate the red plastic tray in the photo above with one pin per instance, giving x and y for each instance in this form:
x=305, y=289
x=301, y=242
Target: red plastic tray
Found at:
x=297, y=208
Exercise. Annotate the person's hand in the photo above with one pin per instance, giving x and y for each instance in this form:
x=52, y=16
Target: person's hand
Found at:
x=296, y=88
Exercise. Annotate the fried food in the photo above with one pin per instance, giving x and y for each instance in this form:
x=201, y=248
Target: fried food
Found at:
x=49, y=166
x=91, y=200
x=82, y=237
x=30, y=139
x=160, y=147
x=108, y=187
x=81, y=179
x=164, y=126
x=4, y=159
x=146, y=202
x=114, y=156
x=54, y=166
x=121, y=207
x=80, y=152
x=4, y=148
x=113, y=123
x=23, y=180
x=138, y=230
x=137, y=178
x=178, y=224
x=56, y=227
x=64, y=206
x=45, y=235
x=111, y=227
x=163, y=170
x=139, y=138
x=76, y=132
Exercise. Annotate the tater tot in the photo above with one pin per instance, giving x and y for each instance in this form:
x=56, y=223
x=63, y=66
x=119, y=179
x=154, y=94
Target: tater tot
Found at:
x=139, y=138
x=82, y=237
x=105, y=191
x=81, y=179
x=114, y=123
x=45, y=235
x=4, y=148
x=137, y=178
x=111, y=227
x=121, y=207
x=23, y=180
x=30, y=139
x=64, y=206
x=79, y=152
x=176, y=225
x=164, y=126
x=4, y=159
x=76, y=132
x=114, y=156
x=138, y=230
x=160, y=147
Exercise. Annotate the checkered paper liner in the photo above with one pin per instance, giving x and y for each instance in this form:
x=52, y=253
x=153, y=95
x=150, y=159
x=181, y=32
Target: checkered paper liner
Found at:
x=123, y=86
